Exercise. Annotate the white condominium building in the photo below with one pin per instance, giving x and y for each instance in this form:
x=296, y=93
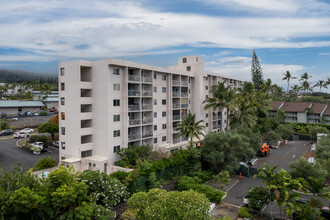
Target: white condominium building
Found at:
x=112, y=104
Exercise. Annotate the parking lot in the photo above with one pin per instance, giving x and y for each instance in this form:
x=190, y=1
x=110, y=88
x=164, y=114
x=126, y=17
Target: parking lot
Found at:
x=11, y=155
x=33, y=121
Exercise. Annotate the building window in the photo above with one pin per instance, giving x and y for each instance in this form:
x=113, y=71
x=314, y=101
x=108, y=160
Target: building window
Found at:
x=189, y=101
x=62, y=71
x=206, y=88
x=184, y=60
x=188, y=68
x=116, y=102
x=86, y=153
x=207, y=124
x=155, y=76
x=155, y=114
x=164, y=102
x=163, y=114
x=62, y=101
x=196, y=59
x=116, y=86
x=155, y=127
x=62, y=115
x=62, y=158
x=206, y=78
x=155, y=89
x=116, y=149
x=189, y=91
x=164, y=138
x=163, y=89
x=116, y=118
x=116, y=133
x=155, y=101
x=155, y=140
x=63, y=145
x=116, y=71
x=206, y=97
x=164, y=77
x=163, y=126
x=62, y=86
x=206, y=115
x=63, y=130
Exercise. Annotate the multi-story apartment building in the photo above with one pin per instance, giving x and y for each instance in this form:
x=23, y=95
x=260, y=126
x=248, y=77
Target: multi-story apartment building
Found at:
x=112, y=104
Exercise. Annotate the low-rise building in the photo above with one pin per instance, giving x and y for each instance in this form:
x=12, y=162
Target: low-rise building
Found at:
x=14, y=107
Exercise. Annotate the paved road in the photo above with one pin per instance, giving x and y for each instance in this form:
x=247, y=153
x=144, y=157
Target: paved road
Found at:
x=34, y=121
x=282, y=157
x=10, y=154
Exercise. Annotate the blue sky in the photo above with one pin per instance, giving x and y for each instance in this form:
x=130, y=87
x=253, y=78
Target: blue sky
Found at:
x=289, y=35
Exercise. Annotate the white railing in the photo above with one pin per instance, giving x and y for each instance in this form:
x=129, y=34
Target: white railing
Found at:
x=184, y=83
x=184, y=105
x=184, y=94
x=146, y=107
x=147, y=93
x=176, y=105
x=133, y=107
x=176, y=94
x=176, y=117
x=133, y=93
x=176, y=82
x=133, y=78
x=147, y=79
x=134, y=136
x=134, y=122
x=147, y=121
x=147, y=134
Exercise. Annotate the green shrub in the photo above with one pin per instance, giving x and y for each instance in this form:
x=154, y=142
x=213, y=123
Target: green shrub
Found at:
x=41, y=138
x=120, y=175
x=186, y=182
x=203, y=175
x=243, y=212
x=43, y=113
x=44, y=163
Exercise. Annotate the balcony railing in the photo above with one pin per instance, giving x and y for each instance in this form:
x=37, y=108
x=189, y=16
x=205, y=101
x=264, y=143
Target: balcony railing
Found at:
x=214, y=82
x=132, y=137
x=176, y=129
x=184, y=105
x=184, y=83
x=176, y=117
x=147, y=121
x=146, y=107
x=146, y=93
x=134, y=122
x=176, y=105
x=133, y=93
x=176, y=82
x=215, y=117
x=133, y=78
x=133, y=107
x=176, y=94
x=147, y=134
x=147, y=79
x=184, y=94
x=176, y=140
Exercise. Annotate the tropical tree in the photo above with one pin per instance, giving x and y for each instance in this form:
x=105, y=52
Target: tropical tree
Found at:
x=49, y=127
x=244, y=114
x=256, y=72
x=268, y=87
x=190, y=128
x=305, y=77
x=288, y=77
x=321, y=84
x=306, y=86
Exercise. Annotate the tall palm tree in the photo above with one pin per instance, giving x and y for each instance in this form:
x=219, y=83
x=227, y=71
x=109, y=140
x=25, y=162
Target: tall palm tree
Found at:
x=306, y=86
x=221, y=97
x=190, y=128
x=268, y=87
x=288, y=77
x=244, y=114
x=305, y=77
x=321, y=84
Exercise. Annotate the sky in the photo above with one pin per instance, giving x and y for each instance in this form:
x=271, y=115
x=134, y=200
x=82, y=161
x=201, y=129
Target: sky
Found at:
x=287, y=35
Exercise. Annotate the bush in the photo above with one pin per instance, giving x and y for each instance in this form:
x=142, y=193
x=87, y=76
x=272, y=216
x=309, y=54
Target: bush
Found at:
x=317, y=130
x=43, y=113
x=44, y=163
x=36, y=138
x=302, y=168
x=243, y=212
x=186, y=182
x=120, y=175
x=203, y=175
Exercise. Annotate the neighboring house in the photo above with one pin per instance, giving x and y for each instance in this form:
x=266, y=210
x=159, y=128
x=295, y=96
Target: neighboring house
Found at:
x=51, y=102
x=38, y=95
x=112, y=104
x=18, y=90
x=14, y=107
x=303, y=112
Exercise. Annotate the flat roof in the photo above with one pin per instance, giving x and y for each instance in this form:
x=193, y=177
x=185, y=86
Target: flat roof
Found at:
x=17, y=103
x=51, y=99
x=71, y=160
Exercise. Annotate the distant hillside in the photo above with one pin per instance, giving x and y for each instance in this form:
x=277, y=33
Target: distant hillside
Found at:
x=7, y=75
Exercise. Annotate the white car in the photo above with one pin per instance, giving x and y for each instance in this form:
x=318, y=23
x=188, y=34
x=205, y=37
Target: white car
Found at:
x=36, y=114
x=39, y=145
x=21, y=135
x=27, y=130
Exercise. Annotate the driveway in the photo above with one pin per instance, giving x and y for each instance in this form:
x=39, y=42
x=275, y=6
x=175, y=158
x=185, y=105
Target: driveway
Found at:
x=11, y=155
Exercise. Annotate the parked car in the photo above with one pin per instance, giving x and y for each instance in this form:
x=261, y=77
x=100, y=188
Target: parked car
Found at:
x=36, y=114
x=56, y=144
x=6, y=132
x=29, y=114
x=27, y=130
x=245, y=201
x=21, y=135
x=40, y=145
x=53, y=109
x=21, y=114
x=14, y=119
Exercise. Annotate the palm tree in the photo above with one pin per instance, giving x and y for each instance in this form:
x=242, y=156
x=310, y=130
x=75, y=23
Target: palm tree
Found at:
x=295, y=89
x=190, y=128
x=268, y=87
x=306, y=86
x=244, y=114
x=221, y=97
x=305, y=77
x=288, y=77
x=321, y=84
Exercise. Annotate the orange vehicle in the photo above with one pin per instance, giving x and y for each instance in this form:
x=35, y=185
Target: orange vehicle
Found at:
x=263, y=151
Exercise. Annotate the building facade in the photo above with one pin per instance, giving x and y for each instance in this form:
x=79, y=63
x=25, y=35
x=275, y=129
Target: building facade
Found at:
x=12, y=108
x=112, y=104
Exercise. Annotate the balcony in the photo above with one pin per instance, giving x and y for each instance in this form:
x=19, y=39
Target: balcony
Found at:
x=176, y=94
x=147, y=134
x=146, y=93
x=184, y=94
x=176, y=130
x=134, y=108
x=146, y=107
x=133, y=78
x=147, y=79
x=176, y=117
x=184, y=105
x=215, y=117
x=176, y=82
x=176, y=105
x=176, y=140
x=214, y=82
x=134, y=122
x=132, y=137
x=147, y=121
x=133, y=93
x=184, y=83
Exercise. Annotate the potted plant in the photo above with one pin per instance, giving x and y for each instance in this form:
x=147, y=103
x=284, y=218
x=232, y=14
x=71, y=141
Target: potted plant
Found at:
x=36, y=150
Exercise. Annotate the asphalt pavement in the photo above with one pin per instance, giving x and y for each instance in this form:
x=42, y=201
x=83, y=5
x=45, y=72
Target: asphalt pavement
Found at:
x=33, y=121
x=11, y=155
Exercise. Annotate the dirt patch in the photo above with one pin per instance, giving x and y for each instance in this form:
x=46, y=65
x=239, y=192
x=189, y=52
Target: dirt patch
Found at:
x=170, y=186
x=120, y=209
x=225, y=210
x=309, y=154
